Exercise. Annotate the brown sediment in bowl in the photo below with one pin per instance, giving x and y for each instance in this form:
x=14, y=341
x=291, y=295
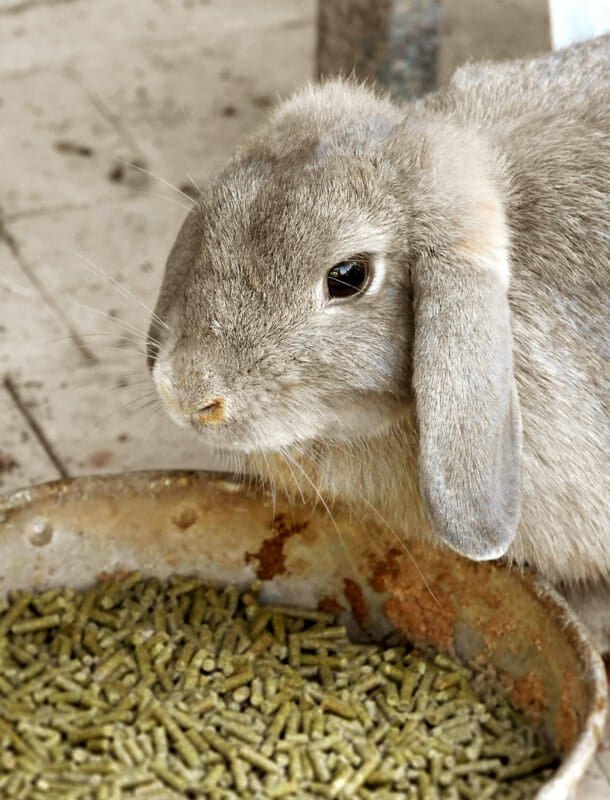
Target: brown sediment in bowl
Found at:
x=330, y=605
x=355, y=597
x=567, y=722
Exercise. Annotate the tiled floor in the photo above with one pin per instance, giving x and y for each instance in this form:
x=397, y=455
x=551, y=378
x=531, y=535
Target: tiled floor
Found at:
x=84, y=88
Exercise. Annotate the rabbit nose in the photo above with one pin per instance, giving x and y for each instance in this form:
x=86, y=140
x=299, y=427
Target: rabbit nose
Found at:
x=211, y=413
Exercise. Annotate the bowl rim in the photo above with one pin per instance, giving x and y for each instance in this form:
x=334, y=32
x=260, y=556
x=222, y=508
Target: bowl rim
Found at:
x=574, y=764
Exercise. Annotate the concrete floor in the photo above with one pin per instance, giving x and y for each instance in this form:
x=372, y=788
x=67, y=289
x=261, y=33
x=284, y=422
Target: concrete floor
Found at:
x=86, y=87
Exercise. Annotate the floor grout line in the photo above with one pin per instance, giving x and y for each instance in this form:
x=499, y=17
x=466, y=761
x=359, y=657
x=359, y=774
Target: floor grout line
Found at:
x=113, y=119
x=23, y=6
x=109, y=201
x=33, y=425
x=13, y=246
x=39, y=211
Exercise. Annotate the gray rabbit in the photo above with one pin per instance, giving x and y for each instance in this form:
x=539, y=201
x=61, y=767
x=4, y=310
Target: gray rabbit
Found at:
x=406, y=309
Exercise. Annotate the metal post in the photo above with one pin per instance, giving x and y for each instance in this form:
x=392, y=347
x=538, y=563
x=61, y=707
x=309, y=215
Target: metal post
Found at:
x=394, y=42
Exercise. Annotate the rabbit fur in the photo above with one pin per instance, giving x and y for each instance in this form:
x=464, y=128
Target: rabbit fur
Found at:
x=461, y=397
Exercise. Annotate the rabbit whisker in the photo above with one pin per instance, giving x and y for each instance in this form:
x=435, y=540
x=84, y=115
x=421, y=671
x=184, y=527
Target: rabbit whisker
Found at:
x=294, y=478
x=149, y=420
x=119, y=288
x=141, y=403
x=150, y=174
x=296, y=464
x=403, y=544
x=272, y=480
x=194, y=182
x=171, y=200
x=128, y=326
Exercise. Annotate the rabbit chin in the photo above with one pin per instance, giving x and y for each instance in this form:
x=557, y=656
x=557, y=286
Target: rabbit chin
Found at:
x=273, y=434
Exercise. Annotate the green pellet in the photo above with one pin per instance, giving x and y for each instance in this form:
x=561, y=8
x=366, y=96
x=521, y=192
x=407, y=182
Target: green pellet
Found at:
x=219, y=743
x=235, y=681
x=339, y=707
x=526, y=767
x=295, y=765
x=240, y=775
x=356, y=780
x=340, y=781
x=183, y=586
x=280, y=719
x=15, y=611
x=138, y=686
x=258, y=760
x=410, y=681
x=319, y=764
x=262, y=643
x=294, y=650
x=105, y=618
x=135, y=751
x=183, y=746
x=36, y=624
x=92, y=732
x=282, y=789
x=169, y=777
x=121, y=752
x=242, y=732
x=159, y=737
x=107, y=667
x=279, y=627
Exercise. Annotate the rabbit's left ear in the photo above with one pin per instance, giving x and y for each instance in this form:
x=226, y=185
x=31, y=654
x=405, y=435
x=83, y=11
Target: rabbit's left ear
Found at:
x=466, y=398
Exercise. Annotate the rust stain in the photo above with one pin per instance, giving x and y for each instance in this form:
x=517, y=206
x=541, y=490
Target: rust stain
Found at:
x=423, y=621
x=355, y=597
x=607, y=665
x=117, y=575
x=567, y=721
x=270, y=555
x=500, y=626
x=411, y=607
x=330, y=605
x=528, y=694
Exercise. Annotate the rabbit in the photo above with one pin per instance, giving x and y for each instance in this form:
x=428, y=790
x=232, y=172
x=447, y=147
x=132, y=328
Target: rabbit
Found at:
x=404, y=308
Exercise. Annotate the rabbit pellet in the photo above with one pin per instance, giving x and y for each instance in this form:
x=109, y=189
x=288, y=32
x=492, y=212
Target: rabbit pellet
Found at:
x=137, y=688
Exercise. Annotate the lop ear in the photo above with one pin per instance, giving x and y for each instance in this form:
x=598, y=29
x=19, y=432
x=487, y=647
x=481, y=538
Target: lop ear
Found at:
x=466, y=398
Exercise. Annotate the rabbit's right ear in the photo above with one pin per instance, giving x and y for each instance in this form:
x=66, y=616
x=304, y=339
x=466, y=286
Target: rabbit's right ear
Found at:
x=465, y=395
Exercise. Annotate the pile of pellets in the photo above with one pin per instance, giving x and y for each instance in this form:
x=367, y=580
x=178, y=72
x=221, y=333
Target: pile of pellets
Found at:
x=140, y=688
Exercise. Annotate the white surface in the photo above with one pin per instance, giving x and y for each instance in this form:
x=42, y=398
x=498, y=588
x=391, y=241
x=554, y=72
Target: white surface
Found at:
x=575, y=20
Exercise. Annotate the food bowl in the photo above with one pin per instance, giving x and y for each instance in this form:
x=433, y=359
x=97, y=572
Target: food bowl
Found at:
x=512, y=626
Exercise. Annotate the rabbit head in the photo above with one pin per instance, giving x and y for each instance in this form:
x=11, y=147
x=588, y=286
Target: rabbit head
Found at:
x=348, y=265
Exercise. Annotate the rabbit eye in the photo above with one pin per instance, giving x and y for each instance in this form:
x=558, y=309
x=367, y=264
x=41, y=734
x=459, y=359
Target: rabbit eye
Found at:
x=348, y=278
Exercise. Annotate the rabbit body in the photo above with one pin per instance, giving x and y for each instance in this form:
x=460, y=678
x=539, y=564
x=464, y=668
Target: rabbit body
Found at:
x=463, y=397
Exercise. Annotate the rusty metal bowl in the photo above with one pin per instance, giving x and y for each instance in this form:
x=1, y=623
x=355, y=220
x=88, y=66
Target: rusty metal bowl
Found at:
x=513, y=626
